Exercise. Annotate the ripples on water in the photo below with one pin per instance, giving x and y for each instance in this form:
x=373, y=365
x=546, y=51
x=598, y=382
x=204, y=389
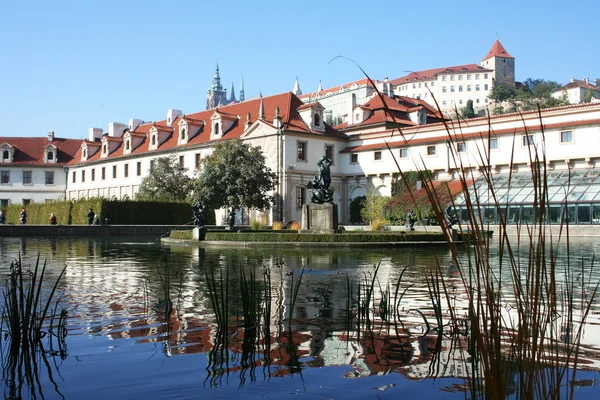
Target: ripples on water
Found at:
x=135, y=304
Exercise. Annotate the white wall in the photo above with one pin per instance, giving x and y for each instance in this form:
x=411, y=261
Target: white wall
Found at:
x=38, y=191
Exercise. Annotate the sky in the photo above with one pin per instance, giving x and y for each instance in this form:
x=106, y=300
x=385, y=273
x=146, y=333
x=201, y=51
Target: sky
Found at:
x=67, y=66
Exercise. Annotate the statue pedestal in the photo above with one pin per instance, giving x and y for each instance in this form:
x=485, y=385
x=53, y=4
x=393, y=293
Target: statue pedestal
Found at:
x=319, y=218
x=198, y=233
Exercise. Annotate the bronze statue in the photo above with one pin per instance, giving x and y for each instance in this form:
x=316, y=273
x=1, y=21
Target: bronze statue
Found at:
x=198, y=212
x=321, y=193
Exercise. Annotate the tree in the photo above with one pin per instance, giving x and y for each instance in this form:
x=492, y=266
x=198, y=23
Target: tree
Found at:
x=167, y=181
x=503, y=91
x=587, y=97
x=234, y=175
x=469, y=111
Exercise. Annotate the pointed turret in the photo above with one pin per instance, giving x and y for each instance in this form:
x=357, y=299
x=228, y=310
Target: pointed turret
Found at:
x=242, y=96
x=320, y=88
x=497, y=50
x=261, y=110
x=232, y=98
x=296, y=89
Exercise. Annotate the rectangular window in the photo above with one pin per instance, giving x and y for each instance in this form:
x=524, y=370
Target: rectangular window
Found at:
x=26, y=202
x=566, y=137
x=93, y=174
x=444, y=78
x=477, y=101
x=300, y=196
x=484, y=76
x=461, y=147
x=468, y=88
x=181, y=161
x=485, y=87
x=5, y=177
x=476, y=76
x=74, y=176
x=138, y=168
x=377, y=156
x=301, y=155
x=527, y=140
x=151, y=164
x=431, y=150
x=432, y=84
x=126, y=170
x=460, y=88
x=83, y=176
x=414, y=85
x=477, y=88
x=419, y=84
x=103, y=173
x=49, y=177
x=353, y=158
x=329, y=151
x=460, y=77
x=451, y=77
x=444, y=102
x=493, y=144
x=26, y=177
x=114, y=172
x=3, y=203
x=468, y=77
x=452, y=88
x=404, y=153
x=443, y=89
x=198, y=159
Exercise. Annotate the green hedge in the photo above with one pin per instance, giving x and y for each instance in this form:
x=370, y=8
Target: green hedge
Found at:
x=181, y=234
x=115, y=212
x=250, y=236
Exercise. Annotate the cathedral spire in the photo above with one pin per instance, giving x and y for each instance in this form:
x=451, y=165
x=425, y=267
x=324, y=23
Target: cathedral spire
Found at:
x=232, y=98
x=296, y=89
x=217, y=79
x=242, y=97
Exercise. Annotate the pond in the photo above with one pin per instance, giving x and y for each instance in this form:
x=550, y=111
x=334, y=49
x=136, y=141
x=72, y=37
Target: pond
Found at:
x=149, y=320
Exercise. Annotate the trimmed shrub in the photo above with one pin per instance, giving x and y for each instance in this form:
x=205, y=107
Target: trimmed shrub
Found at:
x=181, y=234
x=277, y=237
x=356, y=206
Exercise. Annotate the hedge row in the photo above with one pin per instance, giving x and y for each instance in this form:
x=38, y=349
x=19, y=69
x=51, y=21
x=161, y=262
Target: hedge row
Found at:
x=250, y=236
x=115, y=212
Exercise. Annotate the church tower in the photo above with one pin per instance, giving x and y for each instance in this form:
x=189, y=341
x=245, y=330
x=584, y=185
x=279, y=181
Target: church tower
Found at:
x=216, y=95
x=502, y=63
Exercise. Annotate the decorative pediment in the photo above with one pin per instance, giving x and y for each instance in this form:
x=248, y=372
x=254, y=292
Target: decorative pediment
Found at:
x=50, y=154
x=109, y=145
x=221, y=123
x=7, y=153
x=259, y=129
x=158, y=135
x=88, y=149
x=188, y=129
x=312, y=115
x=132, y=141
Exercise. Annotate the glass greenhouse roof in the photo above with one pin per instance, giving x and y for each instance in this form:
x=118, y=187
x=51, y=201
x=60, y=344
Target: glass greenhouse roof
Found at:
x=518, y=188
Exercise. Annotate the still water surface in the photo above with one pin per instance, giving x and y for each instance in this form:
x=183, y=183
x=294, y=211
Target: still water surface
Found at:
x=141, y=323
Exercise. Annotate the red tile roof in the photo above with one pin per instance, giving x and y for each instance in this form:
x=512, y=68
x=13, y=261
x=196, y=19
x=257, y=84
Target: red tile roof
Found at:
x=431, y=73
x=30, y=150
x=288, y=104
x=497, y=50
x=577, y=83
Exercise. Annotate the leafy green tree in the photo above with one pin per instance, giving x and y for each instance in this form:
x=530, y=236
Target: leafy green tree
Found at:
x=356, y=206
x=587, y=97
x=540, y=88
x=469, y=111
x=234, y=175
x=167, y=181
x=374, y=207
x=503, y=91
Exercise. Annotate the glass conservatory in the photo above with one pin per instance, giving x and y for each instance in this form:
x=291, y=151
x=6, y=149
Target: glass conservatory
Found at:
x=573, y=194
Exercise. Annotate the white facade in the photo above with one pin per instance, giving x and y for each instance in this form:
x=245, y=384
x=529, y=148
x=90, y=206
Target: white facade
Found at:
x=32, y=184
x=576, y=90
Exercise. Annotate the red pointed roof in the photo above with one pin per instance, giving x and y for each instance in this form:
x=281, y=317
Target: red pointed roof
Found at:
x=30, y=150
x=497, y=50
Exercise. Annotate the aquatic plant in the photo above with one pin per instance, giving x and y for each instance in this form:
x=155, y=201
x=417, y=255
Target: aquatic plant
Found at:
x=29, y=314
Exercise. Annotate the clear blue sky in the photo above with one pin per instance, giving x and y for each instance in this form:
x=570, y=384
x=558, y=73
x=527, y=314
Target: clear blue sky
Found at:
x=67, y=66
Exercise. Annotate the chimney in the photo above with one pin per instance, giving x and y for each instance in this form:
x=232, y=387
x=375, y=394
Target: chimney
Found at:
x=277, y=119
x=134, y=123
x=597, y=82
x=172, y=114
x=116, y=129
x=586, y=80
x=95, y=134
x=248, y=122
x=50, y=136
x=572, y=79
x=351, y=105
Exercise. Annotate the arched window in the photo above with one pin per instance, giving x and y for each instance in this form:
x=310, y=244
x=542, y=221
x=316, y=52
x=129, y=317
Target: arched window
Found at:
x=216, y=130
x=105, y=149
x=153, y=140
x=84, y=153
x=183, y=134
x=50, y=155
x=317, y=120
x=5, y=155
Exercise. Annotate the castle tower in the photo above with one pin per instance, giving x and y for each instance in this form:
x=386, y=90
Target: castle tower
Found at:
x=502, y=63
x=216, y=93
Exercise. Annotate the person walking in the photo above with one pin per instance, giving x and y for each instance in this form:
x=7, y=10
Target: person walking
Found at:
x=52, y=219
x=90, y=217
x=23, y=217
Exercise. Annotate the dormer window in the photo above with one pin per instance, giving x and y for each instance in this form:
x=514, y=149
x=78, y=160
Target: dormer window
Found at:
x=153, y=140
x=5, y=155
x=182, y=134
x=50, y=155
x=317, y=120
x=104, y=149
x=84, y=154
x=216, y=131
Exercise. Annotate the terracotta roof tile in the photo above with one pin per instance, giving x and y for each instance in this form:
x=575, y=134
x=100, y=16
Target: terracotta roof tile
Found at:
x=431, y=73
x=497, y=50
x=30, y=150
x=335, y=89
